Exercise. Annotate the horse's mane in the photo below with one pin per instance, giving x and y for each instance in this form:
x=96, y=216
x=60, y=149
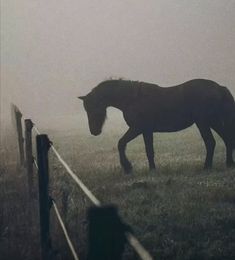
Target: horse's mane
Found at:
x=120, y=82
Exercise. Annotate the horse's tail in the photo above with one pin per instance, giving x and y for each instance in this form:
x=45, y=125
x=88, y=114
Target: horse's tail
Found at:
x=228, y=105
x=227, y=97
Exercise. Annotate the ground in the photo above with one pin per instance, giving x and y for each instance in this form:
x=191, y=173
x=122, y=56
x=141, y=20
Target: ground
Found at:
x=179, y=212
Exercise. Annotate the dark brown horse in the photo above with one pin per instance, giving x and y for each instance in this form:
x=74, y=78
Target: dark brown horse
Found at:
x=148, y=108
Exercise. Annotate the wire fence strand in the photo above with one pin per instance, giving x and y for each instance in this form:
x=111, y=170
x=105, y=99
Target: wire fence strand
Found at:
x=35, y=163
x=65, y=231
x=141, y=251
x=36, y=129
x=76, y=179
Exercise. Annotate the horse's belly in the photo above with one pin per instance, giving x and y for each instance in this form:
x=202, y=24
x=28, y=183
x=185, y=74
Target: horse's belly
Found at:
x=172, y=123
x=170, y=127
x=166, y=119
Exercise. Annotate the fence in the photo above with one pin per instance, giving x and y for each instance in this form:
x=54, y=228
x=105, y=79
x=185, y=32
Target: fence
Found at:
x=45, y=201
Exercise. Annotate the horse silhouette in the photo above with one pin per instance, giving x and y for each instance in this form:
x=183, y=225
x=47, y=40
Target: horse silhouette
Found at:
x=149, y=108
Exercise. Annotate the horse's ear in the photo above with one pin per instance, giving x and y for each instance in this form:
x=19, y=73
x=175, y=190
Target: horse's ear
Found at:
x=82, y=97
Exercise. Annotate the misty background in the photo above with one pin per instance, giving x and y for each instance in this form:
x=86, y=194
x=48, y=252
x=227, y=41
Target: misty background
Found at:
x=53, y=51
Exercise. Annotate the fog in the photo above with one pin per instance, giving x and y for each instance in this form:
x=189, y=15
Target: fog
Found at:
x=53, y=51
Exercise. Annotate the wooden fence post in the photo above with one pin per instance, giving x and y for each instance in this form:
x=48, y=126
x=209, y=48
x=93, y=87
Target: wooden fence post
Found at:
x=18, y=117
x=43, y=145
x=29, y=154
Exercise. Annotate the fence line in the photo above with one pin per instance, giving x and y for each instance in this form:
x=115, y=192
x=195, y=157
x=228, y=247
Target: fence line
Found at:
x=133, y=241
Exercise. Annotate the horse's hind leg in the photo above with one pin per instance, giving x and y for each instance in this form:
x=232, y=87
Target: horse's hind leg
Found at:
x=148, y=141
x=127, y=137
x=209, y=141
x=221, y=131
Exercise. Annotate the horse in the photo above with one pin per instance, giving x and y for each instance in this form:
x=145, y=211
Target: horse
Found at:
x=149, y=108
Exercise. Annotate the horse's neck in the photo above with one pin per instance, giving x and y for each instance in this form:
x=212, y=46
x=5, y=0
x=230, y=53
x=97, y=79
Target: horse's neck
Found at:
x=118, y=96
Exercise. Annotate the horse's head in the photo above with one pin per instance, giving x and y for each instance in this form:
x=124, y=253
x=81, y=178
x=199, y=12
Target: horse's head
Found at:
x=96, y=113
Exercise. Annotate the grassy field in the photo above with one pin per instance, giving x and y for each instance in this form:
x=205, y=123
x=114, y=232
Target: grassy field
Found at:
x=179, y=212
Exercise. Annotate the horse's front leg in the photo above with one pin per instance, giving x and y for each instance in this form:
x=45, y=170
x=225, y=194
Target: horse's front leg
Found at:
x=148, y=141
x=127, y=137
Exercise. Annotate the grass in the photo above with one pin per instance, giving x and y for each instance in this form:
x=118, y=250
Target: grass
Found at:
x=180, y=212
x=19, y=239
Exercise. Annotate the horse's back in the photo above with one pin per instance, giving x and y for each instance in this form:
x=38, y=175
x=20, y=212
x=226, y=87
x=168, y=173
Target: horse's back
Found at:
x=193, y=93
x=178, y=107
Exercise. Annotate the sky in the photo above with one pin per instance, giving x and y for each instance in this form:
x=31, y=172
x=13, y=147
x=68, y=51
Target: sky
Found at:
x=53, y=51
